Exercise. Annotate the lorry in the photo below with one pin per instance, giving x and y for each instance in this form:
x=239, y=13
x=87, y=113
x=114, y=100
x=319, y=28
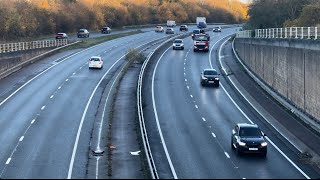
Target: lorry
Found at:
x=201, y=22
x=171, y=23
x=201, y=42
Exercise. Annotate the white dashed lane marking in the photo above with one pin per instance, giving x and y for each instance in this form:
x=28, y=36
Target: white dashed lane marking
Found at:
x=59, y=87
x=51, y=96
x=8, y=161
x=213, y=135
x=67, y=80
x=22, y=137
x=43, y=107
x=196, y=106
x=203, y=119
x=191, y=96
x=33, y=121
x=227, y=155
x=188, y=87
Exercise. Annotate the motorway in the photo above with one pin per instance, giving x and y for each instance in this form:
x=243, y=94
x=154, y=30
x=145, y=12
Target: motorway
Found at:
x=48, y=108
x=190, y=125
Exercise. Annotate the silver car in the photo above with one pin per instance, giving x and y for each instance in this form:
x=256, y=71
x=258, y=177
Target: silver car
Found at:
x=178, y=44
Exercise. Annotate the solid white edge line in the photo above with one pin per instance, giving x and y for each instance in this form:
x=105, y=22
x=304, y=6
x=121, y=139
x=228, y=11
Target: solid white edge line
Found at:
x=157, y=120
x=285, y=156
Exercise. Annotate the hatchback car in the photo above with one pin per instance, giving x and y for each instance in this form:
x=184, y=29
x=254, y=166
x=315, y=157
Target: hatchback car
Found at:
x=61, y=36
x=83, y=33
x=248, y=138
x=106, y=30
x=183, y=28
x=209, y=77
x=178, y=44
x=159, y=29
x=169, y=31
x=217, y=29
x=95, y=62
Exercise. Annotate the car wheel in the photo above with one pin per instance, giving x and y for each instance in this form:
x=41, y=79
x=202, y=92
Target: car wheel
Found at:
x=218, y=84
x=182, y=48
x=173, y=48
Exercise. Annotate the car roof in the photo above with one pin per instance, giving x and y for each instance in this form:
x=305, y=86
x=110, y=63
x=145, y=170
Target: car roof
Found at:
x=209, y=70
x=247, y=125
x=178, y=39
x=94, y=57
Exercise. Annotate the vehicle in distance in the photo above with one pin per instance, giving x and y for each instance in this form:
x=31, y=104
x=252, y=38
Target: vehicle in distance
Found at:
x=248, y=138
x=201, y=42
x=61, y=36
x=83, y=33
x=159, y=29
x=217, y=29
x=106, y=30
x=197, y=31
x=183, y=28
x=209, y=77
x=171, y=23
x=201, y=22
x=178, y=44
x=169, y=31
x=95, y=62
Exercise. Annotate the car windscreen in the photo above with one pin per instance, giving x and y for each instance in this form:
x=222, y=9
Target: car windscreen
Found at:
x=178, y=41
x=210, y=73
x=201, y=38
x=249, y=132
x=196, y=31
x=94, y=59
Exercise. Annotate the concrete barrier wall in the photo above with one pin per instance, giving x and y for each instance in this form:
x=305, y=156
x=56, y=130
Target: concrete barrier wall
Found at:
x=290, y=67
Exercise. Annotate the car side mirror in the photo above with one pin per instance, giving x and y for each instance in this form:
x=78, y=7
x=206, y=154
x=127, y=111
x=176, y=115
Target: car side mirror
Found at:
x=233, y=132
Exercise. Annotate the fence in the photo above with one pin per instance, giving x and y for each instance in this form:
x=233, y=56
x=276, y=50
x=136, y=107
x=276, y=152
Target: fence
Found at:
x=20, y=46
x=289, y=33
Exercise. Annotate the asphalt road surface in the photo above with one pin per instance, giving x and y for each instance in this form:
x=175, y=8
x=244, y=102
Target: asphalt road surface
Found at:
x=189, y=126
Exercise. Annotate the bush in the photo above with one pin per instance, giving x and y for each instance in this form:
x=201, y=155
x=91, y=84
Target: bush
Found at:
x=134, y=56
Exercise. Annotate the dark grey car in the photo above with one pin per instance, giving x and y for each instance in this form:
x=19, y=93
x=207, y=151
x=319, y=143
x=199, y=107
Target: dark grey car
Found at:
x=209, y=77
x=248, y=138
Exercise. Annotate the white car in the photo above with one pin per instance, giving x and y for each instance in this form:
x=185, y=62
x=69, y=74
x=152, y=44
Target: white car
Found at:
x=159, y=29
x=95, y=62
x=178, y=44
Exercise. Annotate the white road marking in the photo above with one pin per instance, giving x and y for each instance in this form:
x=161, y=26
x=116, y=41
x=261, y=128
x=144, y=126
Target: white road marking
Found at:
x=51, y=96
x=203, y=119
x=81, y=67
x=73, y=73
x=59, y=87
x=188, y=87
x=196, y=106
x=67, y=80
x=8, y=161
x=21, y=139
x=213, y=135
x=191, y=96
x=227, y=155
x=184, y=74
x=185, y=80
x=43, y=107
x=33, y=121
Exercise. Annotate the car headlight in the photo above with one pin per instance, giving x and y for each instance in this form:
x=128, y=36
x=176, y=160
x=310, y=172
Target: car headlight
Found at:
x=264, y=144
x=204, y=78
x=217, y=79
x=241, y=143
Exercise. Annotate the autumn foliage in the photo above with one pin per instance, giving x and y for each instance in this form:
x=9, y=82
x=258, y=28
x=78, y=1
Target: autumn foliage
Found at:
x=29, y=18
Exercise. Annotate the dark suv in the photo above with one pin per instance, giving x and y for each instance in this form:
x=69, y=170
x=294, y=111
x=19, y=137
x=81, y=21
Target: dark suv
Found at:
x=209, y=77
x=197, y=31
x=248, y=138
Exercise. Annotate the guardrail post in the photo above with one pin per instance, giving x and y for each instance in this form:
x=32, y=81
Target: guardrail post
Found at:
x=296, y=32
x=272, y=32
x=290, y=34
x=316, y=33
x=308, y=32
x=302, y=35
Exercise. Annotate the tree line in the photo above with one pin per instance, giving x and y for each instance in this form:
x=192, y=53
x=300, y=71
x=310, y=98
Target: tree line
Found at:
x=30, y=18
x=283, y=13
